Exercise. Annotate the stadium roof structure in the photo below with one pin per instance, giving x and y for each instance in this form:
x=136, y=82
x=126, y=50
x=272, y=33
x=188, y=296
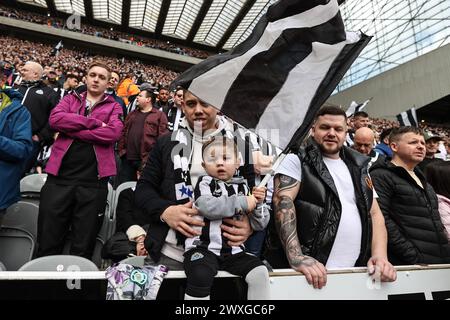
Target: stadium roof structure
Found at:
x=214, y=25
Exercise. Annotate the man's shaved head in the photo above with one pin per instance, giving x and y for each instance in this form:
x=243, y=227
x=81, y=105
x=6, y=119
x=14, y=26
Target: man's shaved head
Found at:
x=32, y=71
x=364, y=138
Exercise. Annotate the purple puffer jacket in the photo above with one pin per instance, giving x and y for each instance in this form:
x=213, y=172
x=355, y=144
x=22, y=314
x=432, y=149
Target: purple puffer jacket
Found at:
x=68, y=119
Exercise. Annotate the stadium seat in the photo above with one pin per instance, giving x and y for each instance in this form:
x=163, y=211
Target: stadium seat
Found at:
x=120, y=188
x=16, y=247
x=23, y=215
x=32, y=184
x=105, y=230
x=30, y=187
x=59, y=263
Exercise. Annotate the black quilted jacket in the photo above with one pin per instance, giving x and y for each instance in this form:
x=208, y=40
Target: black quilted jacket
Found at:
x=415, y=232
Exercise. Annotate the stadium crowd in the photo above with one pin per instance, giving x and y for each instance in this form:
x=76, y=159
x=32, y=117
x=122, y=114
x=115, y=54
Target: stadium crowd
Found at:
x=19, y=51
x=88, y=122
x=103, y=33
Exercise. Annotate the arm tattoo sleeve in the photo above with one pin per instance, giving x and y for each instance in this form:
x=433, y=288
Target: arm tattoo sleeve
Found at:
x=286, y=221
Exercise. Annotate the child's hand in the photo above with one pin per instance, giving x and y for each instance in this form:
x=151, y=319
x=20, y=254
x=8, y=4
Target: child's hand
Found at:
x=259, y=193
x=251, y=203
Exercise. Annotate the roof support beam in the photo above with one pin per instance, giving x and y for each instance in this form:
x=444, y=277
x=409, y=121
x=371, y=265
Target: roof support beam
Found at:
x=88, y=10
x=126, y=5
x=51, y=7
x=162, y=17
x=237, y=20
x=199, y=20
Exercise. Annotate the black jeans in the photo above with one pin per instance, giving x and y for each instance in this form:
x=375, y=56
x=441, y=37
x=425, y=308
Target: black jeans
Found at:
x=201, y=266
x=2, y=213
x=128, y=169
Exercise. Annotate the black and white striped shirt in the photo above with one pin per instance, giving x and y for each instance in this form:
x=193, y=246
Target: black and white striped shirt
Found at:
x=215, y=200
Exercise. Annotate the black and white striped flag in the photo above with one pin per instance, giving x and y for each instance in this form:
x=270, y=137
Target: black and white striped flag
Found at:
x=56, y=49
x=408, y=118
x=356, y=107
x=282, y=74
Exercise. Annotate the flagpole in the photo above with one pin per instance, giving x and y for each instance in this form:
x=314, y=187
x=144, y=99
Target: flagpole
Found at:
x=275, y=166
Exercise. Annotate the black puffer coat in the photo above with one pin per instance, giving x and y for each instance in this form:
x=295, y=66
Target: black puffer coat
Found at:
x=415, y=231
x=318, y=206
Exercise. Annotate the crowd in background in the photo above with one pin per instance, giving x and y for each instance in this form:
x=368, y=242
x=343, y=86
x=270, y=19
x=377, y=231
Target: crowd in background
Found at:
x=379, y=125
x=122, y=112
x=103, y=33
x=19, y=51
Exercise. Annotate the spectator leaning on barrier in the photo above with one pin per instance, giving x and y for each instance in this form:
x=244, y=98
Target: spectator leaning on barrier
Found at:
x=409, y=204
x=326, y=210
x=15, y=142
x=82, y=160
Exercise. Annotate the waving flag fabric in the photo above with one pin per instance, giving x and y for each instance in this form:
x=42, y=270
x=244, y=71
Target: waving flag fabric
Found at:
x=408, y=118
x=282, y=74
x=356, y=107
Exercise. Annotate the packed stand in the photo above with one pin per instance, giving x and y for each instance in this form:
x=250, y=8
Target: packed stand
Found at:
x=19, y=51
x=361, y=191
x=104, y=33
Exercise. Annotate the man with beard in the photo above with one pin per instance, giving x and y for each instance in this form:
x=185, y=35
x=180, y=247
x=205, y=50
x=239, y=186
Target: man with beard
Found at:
x=163, y=103
x=326, y=212
x=39, y=99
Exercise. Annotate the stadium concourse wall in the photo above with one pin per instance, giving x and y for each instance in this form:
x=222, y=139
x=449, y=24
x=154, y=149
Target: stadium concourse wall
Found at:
x=416, y=83
x=413, y=282
x=33, y=31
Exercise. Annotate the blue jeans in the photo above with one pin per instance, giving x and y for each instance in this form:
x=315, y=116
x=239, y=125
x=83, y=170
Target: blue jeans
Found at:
x=255, y=243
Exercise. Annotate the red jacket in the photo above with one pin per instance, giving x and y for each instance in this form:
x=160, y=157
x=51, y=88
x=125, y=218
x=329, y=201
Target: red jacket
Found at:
x=154, y=127
x=68, y=119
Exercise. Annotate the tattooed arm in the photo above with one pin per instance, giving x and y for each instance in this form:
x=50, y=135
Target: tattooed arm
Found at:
x=286, y=189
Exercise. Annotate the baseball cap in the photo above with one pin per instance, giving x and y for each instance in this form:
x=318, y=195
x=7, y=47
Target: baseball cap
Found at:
x=429, y=135
x=147, y=86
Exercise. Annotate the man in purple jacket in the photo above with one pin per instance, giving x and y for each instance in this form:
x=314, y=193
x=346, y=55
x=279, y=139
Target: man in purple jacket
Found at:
x=82, y=159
